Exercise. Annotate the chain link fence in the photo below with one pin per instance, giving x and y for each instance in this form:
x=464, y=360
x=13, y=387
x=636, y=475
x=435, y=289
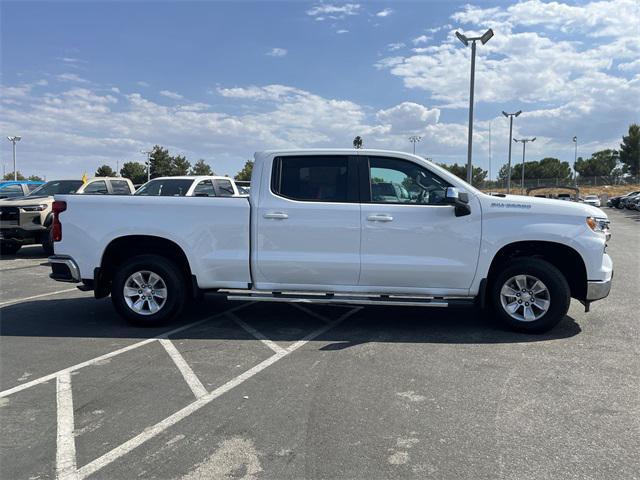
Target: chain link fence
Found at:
x=580, y=181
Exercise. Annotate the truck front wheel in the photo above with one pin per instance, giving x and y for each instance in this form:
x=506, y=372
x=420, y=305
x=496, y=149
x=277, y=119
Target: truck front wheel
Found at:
x=530, y=295
x=148, y=290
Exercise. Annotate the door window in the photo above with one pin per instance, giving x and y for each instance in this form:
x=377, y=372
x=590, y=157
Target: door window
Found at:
x=120, y=187
x=317, y=178
x=11, y=191
x=400, y=181
x=204, y=189
x=225, y=189
x=99, y=187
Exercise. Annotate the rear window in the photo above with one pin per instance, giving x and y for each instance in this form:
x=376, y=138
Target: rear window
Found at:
x=165, y=188
x=224, y=187
x=120, y=187
x=311, y=178
x=98, y=187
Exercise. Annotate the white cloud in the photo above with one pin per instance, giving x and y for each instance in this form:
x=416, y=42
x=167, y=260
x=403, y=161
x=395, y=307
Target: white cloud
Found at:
x=392, y=47
x=277, y=52
x=142, y=84
x=630, y=66
x=331, y=11
x=341, y=31
x=71, y=77
x=170, y=94
x=408, y=117
x=384, y=13
x=421, y=39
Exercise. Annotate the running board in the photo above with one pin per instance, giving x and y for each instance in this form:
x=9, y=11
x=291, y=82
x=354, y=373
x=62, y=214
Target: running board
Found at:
x=338, y=299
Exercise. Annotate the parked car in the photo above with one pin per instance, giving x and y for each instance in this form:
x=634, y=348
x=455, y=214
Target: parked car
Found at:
x=27, y=220
x=634, y=204
x=311, y=232
x=198, y=186
x=17, y=188
x=592, y=200
x=627, y=199
x=615, y=201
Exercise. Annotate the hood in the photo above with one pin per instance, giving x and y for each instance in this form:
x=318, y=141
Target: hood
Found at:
x=20, y=201
x=524, y=204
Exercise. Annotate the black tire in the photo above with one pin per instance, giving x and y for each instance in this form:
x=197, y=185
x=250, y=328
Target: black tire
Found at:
x=47, y=242
x=9, y=248
x=559, y=294
x=176, y=290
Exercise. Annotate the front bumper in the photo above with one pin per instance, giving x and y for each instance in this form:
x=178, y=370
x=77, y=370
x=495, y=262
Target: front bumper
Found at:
x=64, y=269
x=598, y=290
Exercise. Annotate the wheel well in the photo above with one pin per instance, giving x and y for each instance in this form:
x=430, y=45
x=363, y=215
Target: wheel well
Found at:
x=564, y=258
x=122, y=249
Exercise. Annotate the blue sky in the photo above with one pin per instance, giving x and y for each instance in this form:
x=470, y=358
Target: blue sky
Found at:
x=87, y=83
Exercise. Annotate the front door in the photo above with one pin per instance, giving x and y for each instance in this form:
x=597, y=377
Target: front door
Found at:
x=309, y=224
x=410, y=238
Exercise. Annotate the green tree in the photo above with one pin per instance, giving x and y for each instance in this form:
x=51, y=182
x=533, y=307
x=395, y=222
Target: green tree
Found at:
x=201, y=168
x=9, y=176
x=35, y=178
x=600, y=164
x=180, y=165
x=161, y=162
x=134, y=171
x=548, y=167
x=630, y=150
x=105, y=171
x=460, y=171
x=245, y=173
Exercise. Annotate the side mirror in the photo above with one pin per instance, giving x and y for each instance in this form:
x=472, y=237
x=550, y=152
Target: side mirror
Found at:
x=460, y=200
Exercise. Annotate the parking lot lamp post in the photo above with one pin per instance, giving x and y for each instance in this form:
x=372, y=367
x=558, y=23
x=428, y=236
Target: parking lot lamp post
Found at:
x=13, y=139
x=575, y=159
x=465, y=41
x=148, y=154
x=414, y=139
x=524, y=148
x=510, y=117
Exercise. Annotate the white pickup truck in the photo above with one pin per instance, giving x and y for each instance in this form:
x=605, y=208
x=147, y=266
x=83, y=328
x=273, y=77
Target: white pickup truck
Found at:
x=338, y=226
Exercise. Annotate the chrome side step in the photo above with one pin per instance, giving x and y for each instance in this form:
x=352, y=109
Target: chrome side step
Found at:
x=338, y=299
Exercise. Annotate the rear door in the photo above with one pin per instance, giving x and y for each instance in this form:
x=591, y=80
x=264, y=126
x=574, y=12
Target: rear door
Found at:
x=309, y=223
x=410, y=238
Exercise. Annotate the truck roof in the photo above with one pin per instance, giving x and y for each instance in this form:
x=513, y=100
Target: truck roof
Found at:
x=344, y=151
x=193, y=177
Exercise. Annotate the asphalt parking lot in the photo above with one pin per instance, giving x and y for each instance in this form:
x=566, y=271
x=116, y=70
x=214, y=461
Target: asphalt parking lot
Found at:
x=275, y=391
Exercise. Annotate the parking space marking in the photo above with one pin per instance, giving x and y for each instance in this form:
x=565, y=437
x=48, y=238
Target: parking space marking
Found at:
x=322, y=318
x=65, y=441
x=151, y=432
x=269, y=343
x=189, y=375
x=142, y=343
x=33, y=297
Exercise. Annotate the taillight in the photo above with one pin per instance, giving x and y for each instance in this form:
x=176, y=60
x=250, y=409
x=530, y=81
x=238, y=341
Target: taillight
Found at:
x=56, y=227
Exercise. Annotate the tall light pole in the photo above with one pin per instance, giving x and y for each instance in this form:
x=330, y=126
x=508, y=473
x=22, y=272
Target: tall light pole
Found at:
x=148, y=154
x=510, y=117
x=13, y=139
x=575, y=160
x=465, y=40
x=524, y=147
x=489, y=150
x=414, y=139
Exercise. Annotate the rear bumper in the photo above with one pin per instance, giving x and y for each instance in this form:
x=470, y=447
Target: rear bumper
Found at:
x=64, y=269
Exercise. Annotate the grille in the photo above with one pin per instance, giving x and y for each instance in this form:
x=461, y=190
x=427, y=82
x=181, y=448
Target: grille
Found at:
x=9, y=215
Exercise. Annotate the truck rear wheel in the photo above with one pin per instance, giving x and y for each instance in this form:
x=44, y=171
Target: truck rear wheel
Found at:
x=148, y=290
x=530, y=295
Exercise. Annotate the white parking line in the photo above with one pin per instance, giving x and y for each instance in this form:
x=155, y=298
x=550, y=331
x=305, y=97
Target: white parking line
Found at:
x=151, y=432
x=269, y=343
x=189, y=375
x=78, y=366
x=25, y=299
x=65, y=441
x=322, y=318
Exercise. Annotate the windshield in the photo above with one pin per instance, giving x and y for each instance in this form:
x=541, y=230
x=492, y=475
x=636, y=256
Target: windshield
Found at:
x=56, y=187
x=165, y=188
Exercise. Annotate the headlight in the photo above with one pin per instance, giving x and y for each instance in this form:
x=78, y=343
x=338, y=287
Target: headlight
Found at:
x=34, y=208
x=600, y=225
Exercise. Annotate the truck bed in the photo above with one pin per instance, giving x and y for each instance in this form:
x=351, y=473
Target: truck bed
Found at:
x=212, y=231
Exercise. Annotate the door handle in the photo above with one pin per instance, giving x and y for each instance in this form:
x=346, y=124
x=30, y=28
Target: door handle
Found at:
x=276, y=215
x=380, y=218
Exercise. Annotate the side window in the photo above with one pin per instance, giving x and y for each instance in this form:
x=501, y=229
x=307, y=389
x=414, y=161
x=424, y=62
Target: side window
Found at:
x=399, y=181
x=317, y=178
x=11, y=191
x=225, y=189
x=31, y=187
x=99, y=187
x=204, y=189
x=120, y=187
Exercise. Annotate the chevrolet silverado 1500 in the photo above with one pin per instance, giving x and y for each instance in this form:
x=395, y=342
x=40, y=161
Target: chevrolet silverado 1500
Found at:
x=338, y=226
